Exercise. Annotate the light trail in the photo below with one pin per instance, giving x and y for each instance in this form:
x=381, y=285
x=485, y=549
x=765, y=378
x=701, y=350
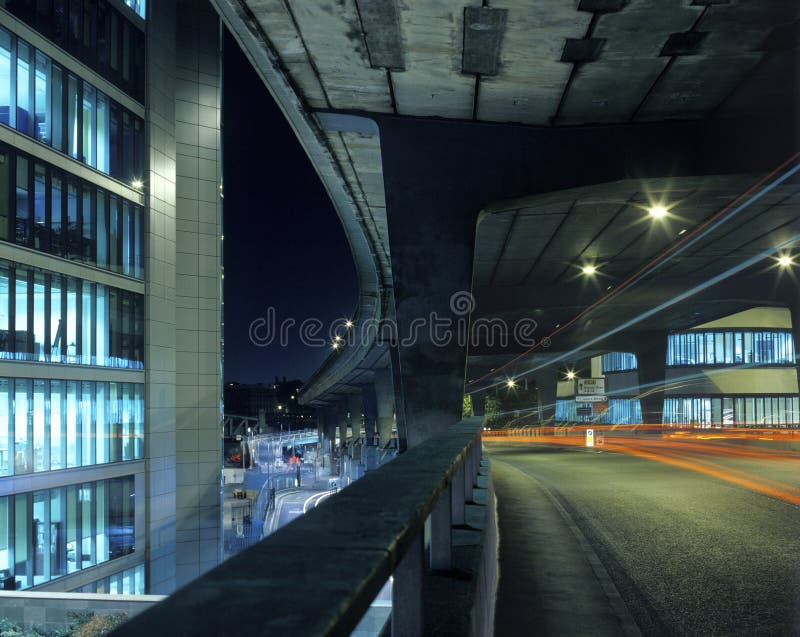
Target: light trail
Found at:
x=701, y=452
x=683, y=243
x=645, y=315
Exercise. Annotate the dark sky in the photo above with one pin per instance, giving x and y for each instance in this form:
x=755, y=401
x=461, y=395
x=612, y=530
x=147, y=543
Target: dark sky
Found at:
x=284, y=245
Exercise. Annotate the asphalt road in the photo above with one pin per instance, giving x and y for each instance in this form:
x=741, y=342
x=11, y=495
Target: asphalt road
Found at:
x=693, y=542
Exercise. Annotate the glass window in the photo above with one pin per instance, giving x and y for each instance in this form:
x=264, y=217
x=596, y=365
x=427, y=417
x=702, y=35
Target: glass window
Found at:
x=87, y=324
x=7, y=106
x=72, y=425
x=41, y=447
x=57, y=240
x=56, y=320
x=23, y=212
x=88, y=211
x=102, y=133
x=114, y=234
x=57, y=108
x=23, y=426
x=41, y=537
x=5, y=299
x=87, y=423
x=101, y=423
x=89, y=125
x=138, y=6
x=40, y=234
x=6, y=409
x=73, y=229
x=58, y=544
x=127, y=239
x=5, y=539
x=86, y=496
x=39, y=317
x=72, y=321
x=57, y=425
x=73, y=121
x=22, y=562
x=21, y=315
x=101, y=335
x=42, y=98
x=5, y=187
x=102, y=230
x=25, y=78
x=73, y=558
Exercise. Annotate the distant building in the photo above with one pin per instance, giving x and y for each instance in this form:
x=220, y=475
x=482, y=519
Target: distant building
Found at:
x=276, y=402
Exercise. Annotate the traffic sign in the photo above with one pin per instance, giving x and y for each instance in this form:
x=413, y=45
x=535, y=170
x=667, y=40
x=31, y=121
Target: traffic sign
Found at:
x=591, y=399
x=590, y=437
x=591, y=386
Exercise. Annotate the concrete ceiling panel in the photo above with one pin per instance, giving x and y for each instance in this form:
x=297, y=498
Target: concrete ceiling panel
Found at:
x=531, y=80
x=609, y=90
x=432, y=84
x=483, y=36
x=332, y=33
x=769, y=87
x=642, y=28
x=381, y=24
x=743, y=26
x=695, y=85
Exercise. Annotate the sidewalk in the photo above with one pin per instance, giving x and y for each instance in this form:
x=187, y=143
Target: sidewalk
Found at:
x=551, y=581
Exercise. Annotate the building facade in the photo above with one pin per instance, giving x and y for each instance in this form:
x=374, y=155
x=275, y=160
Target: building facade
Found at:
x=110, y=290
x=738, y=371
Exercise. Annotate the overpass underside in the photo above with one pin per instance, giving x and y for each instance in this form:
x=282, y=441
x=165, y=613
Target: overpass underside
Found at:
x=529, y=186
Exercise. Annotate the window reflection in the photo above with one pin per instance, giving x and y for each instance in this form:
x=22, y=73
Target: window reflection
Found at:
x=87, y=125
x=55, y=424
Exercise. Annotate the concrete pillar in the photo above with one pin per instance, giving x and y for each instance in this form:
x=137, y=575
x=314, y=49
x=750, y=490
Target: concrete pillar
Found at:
x=370, y=413
x=651, y=356
x=478, y=403
x=384, y=398
x=355, y=407
x=546, y=395
x=342, y=422
x=329, y=430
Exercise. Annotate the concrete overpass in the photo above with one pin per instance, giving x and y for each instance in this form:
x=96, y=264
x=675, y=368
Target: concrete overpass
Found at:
x=497, y=149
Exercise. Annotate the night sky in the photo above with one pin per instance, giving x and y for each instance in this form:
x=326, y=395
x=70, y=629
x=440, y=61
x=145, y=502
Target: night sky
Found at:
x=284, y=245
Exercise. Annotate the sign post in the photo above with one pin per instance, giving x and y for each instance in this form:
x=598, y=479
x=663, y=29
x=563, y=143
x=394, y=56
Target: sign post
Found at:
x=590, y=437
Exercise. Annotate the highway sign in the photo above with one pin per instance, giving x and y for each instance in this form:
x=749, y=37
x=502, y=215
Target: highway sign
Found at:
x=591, y=399
x=591, y=386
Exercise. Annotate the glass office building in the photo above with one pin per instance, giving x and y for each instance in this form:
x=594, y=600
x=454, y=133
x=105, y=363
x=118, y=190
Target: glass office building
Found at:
x=110, y=354
x=739, y=371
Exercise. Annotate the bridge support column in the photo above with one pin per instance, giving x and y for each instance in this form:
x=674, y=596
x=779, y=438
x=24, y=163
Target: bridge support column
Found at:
x=355, y=409
x=384, y=397
x=546, y=395
x=478, y=403
x=651, y=356
x=370, y=413
x=441, y=533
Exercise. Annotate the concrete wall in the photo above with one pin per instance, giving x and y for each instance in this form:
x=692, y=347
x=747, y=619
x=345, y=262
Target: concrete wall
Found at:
x=183, y=294
x=52, y=610
x=198, y=293
x=160, y=301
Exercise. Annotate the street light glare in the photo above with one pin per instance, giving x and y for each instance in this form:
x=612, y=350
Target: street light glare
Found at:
x=570, y=375
x=658, y=211
x=511, y=383
x=348, y=323
x=785, y=261
x=137, y=184
x=589, y=269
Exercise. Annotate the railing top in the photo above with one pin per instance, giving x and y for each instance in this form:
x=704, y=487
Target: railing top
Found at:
x=318, y=575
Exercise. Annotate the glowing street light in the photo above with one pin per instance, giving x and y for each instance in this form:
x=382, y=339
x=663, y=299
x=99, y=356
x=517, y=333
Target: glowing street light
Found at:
x=348, y=324
x=511, y=383
x=137, y=184
x=570, y=375
x=658, y=211
x=588, y=270
x=785, y=261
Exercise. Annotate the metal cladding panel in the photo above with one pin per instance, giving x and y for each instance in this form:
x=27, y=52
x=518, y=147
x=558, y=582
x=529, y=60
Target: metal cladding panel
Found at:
x=483, y=36
x=381, y=24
